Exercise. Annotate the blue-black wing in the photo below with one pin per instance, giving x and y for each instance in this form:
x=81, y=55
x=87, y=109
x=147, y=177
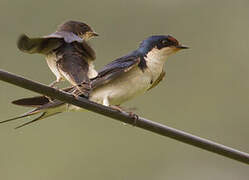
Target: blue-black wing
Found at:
x=114, y=69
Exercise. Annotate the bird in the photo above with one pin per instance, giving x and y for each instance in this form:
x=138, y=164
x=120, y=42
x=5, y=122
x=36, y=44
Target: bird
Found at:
x=117, y=82
x=67, y=53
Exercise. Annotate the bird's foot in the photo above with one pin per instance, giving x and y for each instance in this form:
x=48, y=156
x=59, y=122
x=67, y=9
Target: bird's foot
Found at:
x=59, y=79
x=132, y=115
x=135, y=117
x=80, y=93
x=53, y=84
x=83, y=90
x=118, y=108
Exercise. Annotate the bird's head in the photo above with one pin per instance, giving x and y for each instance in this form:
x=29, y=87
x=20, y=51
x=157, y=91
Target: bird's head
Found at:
x=160, y=46
x=80, y=29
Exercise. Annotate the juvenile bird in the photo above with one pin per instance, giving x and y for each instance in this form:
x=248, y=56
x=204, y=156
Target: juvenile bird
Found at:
x=118, y=82
x=68, y=54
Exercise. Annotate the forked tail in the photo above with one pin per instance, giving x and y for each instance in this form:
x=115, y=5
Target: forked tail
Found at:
x=43, y=107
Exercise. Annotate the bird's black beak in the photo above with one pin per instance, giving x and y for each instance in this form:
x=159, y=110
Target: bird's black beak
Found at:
x=95, y=34
x=182, y=47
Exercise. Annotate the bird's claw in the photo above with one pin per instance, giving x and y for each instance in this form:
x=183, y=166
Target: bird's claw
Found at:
x=135, y=117
x=53, y=84
x=83, y=90
x=131, y=114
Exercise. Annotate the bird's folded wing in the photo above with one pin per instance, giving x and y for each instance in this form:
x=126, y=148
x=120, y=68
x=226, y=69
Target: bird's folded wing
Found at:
x=85, y=50
x=74, y=68
x=114, y=69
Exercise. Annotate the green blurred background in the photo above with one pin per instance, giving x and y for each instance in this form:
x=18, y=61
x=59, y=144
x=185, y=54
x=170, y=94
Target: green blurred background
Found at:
x=206, y=92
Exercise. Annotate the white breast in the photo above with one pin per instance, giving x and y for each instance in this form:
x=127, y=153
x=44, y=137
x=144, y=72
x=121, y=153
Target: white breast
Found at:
x=122, y=89
x=92, y=73
x=155, y=62
x=130, y=84
x=51, y=61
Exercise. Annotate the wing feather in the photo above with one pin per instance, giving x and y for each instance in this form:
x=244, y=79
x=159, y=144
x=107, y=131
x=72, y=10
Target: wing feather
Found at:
x=114, y=69
x=38, y=45
x=74, y=68
x=46, y=44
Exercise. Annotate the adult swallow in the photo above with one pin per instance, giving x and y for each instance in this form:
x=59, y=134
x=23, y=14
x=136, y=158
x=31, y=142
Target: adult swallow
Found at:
x=118, y=82
x=68, y=54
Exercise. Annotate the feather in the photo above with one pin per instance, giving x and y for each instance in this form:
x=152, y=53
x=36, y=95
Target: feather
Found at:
x=33, y=101
x=114, y=69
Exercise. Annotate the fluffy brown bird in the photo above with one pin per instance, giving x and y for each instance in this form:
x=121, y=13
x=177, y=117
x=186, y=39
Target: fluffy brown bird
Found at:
x=67, y=52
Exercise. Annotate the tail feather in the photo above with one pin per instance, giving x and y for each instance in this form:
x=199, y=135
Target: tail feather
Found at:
x=42, y=116
x=33, y=101
x=29, y=113
x=43, y=105
x=36, y=119
x=39, y=101
x=46, y=110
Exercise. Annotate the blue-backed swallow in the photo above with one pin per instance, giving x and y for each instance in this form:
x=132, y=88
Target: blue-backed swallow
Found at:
x=118, y=82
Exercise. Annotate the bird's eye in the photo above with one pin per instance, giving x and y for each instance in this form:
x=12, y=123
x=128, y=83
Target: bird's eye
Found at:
x=84, y=28
x=164, y=42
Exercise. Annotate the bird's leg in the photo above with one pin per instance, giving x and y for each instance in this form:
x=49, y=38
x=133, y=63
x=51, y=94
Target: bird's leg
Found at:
x=53, y=85
x=76, y=93
x=131, y=114
x=117, y=107
x=83, y=89
x=55, y=82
